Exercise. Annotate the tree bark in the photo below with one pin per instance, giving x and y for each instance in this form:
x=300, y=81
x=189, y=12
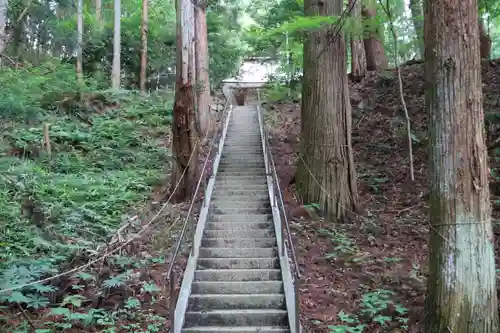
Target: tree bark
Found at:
x=358, y=55
x=417, y=16
x=326, y=174
x=79, y=41
x=185, y=138
x=462, y=284
x=116, y=70
x=98, y=12
x=144, y=51
x=375, y=53
x=203, y=82
x=485, y=41
x=3, y=23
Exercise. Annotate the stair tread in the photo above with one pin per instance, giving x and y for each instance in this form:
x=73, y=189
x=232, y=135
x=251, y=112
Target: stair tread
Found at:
x=239, y=248
x=239, y=329
x=238, y=238
x=239, y=311
x=235, y=295
x=238, y=258
x=238, y=282
x=241, y=270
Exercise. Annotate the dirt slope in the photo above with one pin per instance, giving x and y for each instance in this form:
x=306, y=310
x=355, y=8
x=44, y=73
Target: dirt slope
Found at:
x=370, y=273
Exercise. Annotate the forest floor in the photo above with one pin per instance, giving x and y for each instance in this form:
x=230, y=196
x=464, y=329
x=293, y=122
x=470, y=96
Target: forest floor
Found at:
x=370, y=273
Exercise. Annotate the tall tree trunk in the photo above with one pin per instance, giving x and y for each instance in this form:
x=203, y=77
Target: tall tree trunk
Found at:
x=417, y=16
x=17, y=37
x=144, y=52
x=3, y=23
x=358, y=55
x=375, y=53
x=116, y=70
x=203, y=83
x=185, y=143
x=326, y=174
x=462, y=295
x=485, y=41
x=98, y=12
x=79, y=41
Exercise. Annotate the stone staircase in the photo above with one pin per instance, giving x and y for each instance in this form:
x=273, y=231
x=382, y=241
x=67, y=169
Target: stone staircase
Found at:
x=237, y=284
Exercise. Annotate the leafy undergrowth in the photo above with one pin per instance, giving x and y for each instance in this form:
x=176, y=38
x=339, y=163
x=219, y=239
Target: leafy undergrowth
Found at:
x=63, y=206
x=369, y=274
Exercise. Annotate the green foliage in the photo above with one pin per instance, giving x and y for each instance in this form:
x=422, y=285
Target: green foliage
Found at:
x=57, y=28
x=107, y=153
x=374, y=309
x=343, y=245
x=72, y=311
x=225, y=45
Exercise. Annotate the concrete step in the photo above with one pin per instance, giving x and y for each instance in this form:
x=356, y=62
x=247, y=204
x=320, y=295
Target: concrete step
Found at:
x=237, y=263
x=239, y=225
x=251, y=164
x=240, y=218
x=238, y=275
x=242, y=155
x=239, y=242
x=222, y=179
x=246, y=139
x=241, y=165
x=250, y=204
x=263, y=233
x=235, y=148
x=240, y=197
x=252, y=173
x=237, y=317
x=209, y=302
x=264, y=192
x=238, y=183
x=228, y=177
x=255, y=145
x=242, y=210
x=249, y=252
x=242, y=151
x=237, y=287
x=240, y=329
x=239, y=161
x=233, y=186
x=229, y=168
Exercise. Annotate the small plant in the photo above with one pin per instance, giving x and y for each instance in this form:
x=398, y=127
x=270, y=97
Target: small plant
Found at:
x=374, y=309
x=376, y=182
x=343, y=244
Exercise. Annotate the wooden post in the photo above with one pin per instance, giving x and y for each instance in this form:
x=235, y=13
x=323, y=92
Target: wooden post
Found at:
x=46, y=139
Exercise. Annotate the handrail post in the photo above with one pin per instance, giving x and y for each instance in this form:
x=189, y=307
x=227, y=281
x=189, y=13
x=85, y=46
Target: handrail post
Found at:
x=173, y=301
x=297, y=302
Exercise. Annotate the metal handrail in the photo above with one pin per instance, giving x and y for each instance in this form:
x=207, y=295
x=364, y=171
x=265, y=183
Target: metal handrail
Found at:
x=171, y=272
x=278, y=202
x=286, y=223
